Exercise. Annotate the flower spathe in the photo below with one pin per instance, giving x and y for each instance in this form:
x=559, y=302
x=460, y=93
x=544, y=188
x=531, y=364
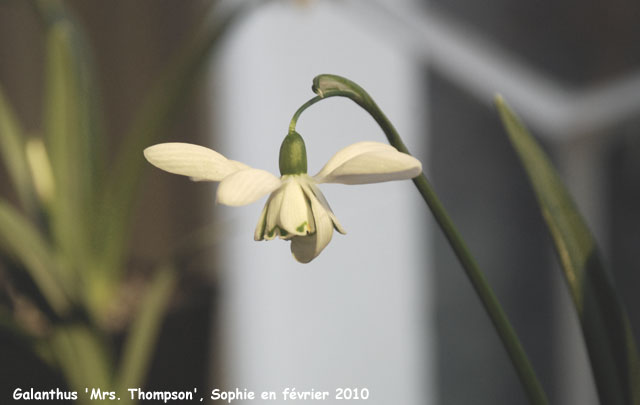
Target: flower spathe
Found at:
x=296, y=210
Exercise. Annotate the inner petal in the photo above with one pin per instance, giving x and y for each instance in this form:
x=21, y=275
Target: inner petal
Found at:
x=306, y=248
x=273, y=214
x=295, y=213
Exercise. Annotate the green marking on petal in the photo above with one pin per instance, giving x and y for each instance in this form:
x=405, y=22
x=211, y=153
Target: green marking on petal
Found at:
x=301, y=227
x=276, y=230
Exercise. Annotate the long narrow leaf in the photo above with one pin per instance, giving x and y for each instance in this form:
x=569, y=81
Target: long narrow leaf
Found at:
x=604, y=322
x=83, y=358
x=55, y=13
x=12, y=151
x=19, y=238
x=74, y=140
x=144, y=331
x=68, y=143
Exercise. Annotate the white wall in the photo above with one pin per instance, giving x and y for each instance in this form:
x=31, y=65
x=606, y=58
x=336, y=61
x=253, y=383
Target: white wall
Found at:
x=358, y=315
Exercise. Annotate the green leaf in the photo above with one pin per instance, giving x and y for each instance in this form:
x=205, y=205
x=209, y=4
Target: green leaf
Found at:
x=74, y=140
x=12, y=150
x=19, y=238
x=144, y=330
x=605, y=326
x=69, y=133
x=83, y=357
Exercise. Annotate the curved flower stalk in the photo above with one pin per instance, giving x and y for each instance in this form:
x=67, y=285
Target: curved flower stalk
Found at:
x=326, y=86
x=296, y=210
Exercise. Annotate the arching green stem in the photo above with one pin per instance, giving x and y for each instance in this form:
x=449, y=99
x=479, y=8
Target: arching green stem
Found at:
x=326, y=86
x=294, y=120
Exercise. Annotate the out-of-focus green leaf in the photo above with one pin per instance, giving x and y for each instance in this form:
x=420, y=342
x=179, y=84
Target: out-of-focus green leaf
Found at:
x=12, y=150
x=81, y=355
x=20, y=239
x=69, y=133
x=144, y=330
x=74, y=139
x=55, y=13
x=165, y=100
x=50, y=11
x=609, y=340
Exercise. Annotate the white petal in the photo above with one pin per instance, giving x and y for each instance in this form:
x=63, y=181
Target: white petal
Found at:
x=295, y=214
x=273, y=213
x=336, y=224
x=246, y=186
x=262, y=224
x=348, y=153
x=195, y=161
x=306, y=248
x=374, y=167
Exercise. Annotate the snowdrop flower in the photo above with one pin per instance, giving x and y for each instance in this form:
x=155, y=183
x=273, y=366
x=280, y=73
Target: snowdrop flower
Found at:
x=296, y=210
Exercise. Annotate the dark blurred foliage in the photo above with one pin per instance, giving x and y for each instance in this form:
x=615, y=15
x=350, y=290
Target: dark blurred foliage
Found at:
x=131, y=44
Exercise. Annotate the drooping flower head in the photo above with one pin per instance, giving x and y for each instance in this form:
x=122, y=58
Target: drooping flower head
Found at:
x=296, y=210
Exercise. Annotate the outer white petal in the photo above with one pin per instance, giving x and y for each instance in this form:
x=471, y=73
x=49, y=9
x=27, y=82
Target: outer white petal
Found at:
x=336, y=224
x=306, y=248
x=295, y=214
x=246, y=186
x=262, y=224
x=349, y=153
x=195, y=161
x=374, y=167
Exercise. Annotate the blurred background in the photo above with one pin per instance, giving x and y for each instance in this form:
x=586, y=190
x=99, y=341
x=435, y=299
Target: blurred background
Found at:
x=387, y=306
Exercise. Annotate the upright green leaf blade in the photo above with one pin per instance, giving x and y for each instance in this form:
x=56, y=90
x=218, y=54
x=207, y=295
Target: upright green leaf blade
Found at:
x=605, y=326
x=19, y=238
x=143, y=334
x=83, y=357
x=70, y=133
